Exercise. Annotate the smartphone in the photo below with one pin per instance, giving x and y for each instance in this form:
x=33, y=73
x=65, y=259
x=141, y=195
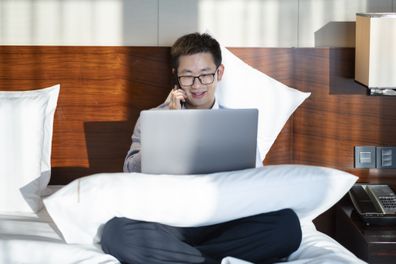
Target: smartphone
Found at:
x=175, y=82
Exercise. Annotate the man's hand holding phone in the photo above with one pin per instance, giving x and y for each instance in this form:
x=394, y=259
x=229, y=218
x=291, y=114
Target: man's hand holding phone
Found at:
x=176, y=98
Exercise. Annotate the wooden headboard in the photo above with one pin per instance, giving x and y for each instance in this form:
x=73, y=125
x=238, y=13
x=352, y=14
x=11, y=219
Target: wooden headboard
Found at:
x=103, y=89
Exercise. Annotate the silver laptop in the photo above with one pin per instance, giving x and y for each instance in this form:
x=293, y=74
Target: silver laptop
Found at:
x=198, y=141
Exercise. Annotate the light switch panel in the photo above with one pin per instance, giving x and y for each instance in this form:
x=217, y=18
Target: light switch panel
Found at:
x=386, y=157
x=365, y=156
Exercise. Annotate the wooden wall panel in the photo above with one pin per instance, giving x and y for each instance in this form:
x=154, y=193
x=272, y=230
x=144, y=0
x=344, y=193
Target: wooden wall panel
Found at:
x=339, y=115
x=103, y=89
x=275, y=62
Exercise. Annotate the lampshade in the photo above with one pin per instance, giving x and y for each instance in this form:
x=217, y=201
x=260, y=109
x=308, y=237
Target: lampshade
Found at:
x=375, y=55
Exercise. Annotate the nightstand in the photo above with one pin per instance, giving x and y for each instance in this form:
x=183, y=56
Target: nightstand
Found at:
x=374, y=244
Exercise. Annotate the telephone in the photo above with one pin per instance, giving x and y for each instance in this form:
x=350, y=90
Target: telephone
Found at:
x=375, y=203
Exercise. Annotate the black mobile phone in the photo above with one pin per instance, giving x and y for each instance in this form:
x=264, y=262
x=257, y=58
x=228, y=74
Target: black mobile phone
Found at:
x=182, y=103
x=175, y=82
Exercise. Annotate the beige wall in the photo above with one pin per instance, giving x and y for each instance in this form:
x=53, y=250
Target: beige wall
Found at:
x=261, y=23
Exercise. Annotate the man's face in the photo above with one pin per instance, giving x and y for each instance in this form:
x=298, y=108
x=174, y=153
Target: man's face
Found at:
x=199, y=96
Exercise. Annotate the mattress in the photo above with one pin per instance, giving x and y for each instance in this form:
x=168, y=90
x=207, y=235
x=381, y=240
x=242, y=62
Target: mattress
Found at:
x=34, y=238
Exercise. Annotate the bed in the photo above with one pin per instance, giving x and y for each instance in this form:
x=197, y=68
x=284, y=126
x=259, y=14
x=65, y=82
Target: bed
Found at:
x=103, y=89
x=34, y=238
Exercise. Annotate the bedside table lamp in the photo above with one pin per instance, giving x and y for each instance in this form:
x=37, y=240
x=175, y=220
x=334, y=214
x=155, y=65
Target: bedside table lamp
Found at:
x=375, y=53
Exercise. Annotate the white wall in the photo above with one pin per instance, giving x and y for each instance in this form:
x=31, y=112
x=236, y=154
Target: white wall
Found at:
x=262, y=23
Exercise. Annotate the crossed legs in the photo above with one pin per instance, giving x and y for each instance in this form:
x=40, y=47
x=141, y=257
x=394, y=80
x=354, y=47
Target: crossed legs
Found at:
x=263, y=238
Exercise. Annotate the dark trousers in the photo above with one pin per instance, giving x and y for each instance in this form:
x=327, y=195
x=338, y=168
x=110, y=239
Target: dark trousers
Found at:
x=263, y=238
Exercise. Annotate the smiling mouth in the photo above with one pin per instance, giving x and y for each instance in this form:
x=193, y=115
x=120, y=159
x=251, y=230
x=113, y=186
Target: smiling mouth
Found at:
x=198, y=94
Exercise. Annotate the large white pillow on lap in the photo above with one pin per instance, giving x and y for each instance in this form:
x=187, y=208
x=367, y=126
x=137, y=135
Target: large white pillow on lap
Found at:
x=242, y=86
x=83, y=206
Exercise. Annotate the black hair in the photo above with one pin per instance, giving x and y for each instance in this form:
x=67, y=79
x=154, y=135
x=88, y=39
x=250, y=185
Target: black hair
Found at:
x=195, y=43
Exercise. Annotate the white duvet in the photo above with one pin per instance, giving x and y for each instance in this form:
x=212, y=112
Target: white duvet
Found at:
x=34, y=239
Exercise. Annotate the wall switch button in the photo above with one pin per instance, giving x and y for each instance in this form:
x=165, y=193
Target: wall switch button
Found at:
x=386, y=157
x=365, y=156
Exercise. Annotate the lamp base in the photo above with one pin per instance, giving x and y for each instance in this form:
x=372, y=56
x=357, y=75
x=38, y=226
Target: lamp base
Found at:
x=379, y=91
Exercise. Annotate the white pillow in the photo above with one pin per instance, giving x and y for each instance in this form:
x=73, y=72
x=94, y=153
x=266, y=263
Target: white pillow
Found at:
x=26, y=119
x=81, y=207
x=242, y=86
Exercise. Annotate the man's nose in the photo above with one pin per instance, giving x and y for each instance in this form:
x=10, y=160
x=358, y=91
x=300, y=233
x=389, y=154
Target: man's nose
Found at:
x=196, y=83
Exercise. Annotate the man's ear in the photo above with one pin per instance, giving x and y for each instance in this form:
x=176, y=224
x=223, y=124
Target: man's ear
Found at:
x=220, y=71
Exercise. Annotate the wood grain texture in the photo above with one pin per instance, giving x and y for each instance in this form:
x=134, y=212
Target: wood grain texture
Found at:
x=339, y=115
x=103, y=90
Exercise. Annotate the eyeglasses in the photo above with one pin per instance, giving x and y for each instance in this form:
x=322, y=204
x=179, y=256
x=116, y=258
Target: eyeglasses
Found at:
x=204, y=79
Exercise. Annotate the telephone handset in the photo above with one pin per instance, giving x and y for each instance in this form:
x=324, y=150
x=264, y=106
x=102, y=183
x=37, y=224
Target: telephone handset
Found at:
x=375, y=203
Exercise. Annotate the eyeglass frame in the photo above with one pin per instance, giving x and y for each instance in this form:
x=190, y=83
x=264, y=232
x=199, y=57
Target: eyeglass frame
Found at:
x=197, y=77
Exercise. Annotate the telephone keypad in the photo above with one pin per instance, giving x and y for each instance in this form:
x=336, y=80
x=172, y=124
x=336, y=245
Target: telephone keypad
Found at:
x=388, y=202
x=385, y=196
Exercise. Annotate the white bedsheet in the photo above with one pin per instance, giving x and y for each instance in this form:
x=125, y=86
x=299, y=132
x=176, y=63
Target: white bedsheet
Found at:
x=33, y=238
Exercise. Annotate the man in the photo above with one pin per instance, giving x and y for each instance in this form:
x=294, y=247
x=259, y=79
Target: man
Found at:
x=196, y=61
x=264, y=238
